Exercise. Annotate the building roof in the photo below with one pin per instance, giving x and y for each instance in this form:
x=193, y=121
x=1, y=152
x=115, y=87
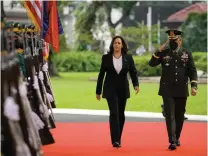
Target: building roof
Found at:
x=182, y=15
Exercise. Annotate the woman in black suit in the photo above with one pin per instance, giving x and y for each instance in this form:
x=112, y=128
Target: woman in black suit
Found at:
x=116, y=64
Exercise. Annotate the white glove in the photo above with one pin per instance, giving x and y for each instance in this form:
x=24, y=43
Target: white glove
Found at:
x=43, y=109
x=35, y=84
x=45, y=67
x=50, y=97
x=23, y=89
x=41, y=77
x=11, y=109
x=38, y=122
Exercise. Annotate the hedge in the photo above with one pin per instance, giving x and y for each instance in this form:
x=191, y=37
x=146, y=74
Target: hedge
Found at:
x=77, y=61
x=90, y=62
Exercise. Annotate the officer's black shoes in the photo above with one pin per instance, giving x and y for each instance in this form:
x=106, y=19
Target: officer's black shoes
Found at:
x=172, y=147
x=178, y=143
x=116, y=144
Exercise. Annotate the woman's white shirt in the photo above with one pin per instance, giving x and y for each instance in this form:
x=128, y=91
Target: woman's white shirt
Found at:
x=117, y=63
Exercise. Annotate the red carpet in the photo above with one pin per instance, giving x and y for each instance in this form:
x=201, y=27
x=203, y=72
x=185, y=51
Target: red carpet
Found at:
x=139, y=139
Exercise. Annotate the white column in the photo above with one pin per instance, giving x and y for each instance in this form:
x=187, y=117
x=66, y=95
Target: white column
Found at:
x=143, y=28
x=158, y=30
x=149, y=25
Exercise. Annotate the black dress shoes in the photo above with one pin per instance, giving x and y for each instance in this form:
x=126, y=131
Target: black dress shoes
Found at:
x=185, y=118
x=178, y=143
x=172, y=146
x=116, y=144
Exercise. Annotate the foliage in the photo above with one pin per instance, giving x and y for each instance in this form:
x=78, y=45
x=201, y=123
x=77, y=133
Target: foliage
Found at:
x=86, y=17
x=62, y=41
x=77, y=61
x=143, y=68
x=195, y=32
x=90, y=62
x=138, y=36
x=91, y=16
x=87, y=13
x=200, y=59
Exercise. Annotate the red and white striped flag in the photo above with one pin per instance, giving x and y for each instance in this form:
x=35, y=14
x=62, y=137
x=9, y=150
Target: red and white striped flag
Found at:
x=34, y=11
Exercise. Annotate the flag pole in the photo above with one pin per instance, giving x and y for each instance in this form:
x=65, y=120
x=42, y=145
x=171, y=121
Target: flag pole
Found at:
x=41, y=29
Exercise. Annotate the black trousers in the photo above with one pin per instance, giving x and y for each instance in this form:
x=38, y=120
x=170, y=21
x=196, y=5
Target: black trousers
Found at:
x=116, y=106
x=175, y=109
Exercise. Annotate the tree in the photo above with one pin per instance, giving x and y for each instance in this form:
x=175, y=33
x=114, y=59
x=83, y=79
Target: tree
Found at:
x=87, y=13
x=91, y=16
x=126, y=7
x=138, y=36
x=195, y=32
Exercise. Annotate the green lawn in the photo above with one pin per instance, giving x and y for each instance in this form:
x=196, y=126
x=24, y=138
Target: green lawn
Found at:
x=74, y=90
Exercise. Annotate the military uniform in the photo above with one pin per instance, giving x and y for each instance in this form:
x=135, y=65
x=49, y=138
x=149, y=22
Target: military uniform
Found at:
x=17, y=29
x=177, y=67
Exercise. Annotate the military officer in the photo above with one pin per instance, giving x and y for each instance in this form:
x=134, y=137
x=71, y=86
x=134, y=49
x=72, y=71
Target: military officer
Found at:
x=177, y=66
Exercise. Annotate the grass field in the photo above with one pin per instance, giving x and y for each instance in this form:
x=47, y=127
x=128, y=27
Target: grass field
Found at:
x=74, y=90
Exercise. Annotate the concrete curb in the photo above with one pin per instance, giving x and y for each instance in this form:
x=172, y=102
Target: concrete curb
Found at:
x=155, y=79
x=127, y=113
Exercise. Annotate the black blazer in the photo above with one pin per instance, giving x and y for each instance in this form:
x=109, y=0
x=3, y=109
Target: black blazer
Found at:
x=176, y=69
x=116, y=83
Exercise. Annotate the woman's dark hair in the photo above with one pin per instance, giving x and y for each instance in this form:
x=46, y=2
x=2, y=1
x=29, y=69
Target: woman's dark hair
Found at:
x=124, y=49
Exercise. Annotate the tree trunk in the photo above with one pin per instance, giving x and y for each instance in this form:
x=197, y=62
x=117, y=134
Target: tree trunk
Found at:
x=51, y=67
x=114, y=25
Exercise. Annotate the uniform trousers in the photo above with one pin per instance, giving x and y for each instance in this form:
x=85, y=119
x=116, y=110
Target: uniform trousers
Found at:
x=175, y=108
